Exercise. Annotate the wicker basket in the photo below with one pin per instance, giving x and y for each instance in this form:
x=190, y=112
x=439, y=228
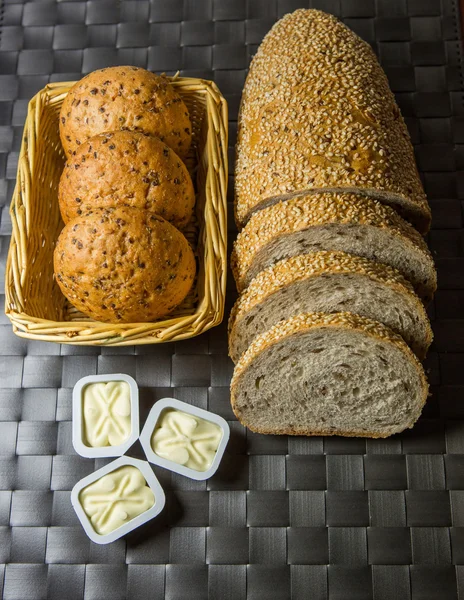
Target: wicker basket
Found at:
x=34, y=303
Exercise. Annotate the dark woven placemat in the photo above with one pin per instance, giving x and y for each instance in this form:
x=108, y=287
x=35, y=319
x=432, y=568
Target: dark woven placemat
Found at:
x=343, y=519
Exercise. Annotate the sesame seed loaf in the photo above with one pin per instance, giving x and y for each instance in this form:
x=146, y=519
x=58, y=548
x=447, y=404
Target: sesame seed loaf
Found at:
x=328, y=374
x=317, y=113
x=329, y=282
x=126, y=168
x=330, y=221
x=123, y=265
x=124, y=98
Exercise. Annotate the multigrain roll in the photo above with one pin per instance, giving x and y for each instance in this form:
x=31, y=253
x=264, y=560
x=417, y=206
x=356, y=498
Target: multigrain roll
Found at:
x=317, y=113
x=124, y=98
x=130, y=169
x=330, y=221
x=329, y=282
x=123, y=265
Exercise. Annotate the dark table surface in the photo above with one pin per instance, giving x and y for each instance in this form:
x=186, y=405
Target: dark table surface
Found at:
x=344, y=519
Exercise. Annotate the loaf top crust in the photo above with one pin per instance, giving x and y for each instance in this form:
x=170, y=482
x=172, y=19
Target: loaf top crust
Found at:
x=124, y=98
x=126, y=168
x=317, y=113
x=123, y=265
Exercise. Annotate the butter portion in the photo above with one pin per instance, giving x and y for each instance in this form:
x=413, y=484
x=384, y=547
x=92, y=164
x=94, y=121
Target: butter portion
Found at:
x=186, y=439
x=116, y=498
x=106, y=410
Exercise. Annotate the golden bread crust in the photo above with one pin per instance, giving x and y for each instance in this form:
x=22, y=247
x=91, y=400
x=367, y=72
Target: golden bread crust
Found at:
x=123, y=265
x=317, y=113
x=124, y=98
x=130, y=169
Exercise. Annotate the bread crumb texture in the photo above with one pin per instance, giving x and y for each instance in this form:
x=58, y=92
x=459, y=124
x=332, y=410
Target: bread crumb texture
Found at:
x=310, y=210
x=304, y=322
x=123, y=265
x=315, y=264
x=124, y=98
x=317, y=112
x=130, y=169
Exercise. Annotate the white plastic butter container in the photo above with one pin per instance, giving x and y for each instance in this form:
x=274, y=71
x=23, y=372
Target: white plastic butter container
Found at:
x=137, y=521
x=150, y=425
x=78, y=417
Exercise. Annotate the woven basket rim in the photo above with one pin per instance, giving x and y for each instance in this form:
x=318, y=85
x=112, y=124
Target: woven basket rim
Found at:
x=208, y=313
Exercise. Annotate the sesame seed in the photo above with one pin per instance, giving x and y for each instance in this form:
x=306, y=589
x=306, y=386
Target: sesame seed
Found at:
x=314, y=76
x=307, y=266
x=304, y=211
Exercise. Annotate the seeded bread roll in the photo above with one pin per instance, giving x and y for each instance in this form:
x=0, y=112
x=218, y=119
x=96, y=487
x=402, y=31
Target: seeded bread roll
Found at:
x=321, y=374
x=329, y=282
x=124, y=98
x=317, y=113
x=130, y=169
x=330, y=221
x=123, y=265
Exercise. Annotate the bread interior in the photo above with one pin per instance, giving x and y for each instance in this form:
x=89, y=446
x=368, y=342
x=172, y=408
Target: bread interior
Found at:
x=375, y=243
x=336, y=292
x=330, y=381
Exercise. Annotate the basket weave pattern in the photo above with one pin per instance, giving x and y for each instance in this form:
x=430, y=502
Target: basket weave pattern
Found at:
x=34, y=303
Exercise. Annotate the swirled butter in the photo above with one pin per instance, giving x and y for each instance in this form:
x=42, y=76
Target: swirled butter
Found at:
x=116, y=498
x=106, y=413
x=186, y=439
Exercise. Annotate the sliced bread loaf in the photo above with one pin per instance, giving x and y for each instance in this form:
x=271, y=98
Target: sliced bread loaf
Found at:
x=328, y=282
x=333, y=221
x=321, y=374
x=317, y=113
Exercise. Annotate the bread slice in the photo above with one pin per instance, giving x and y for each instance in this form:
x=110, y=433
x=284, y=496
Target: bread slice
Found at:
x=331, y=221
x=321, y=374
x=317, y=113
x=329, y=282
